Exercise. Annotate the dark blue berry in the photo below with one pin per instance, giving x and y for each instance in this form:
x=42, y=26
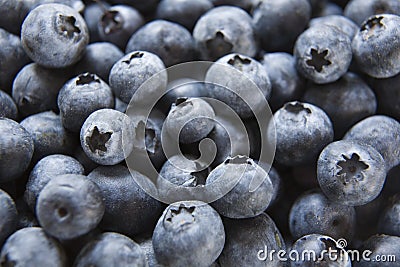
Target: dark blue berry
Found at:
x=17, y=146
x=188, y=233
x=351, y=173
x=54, y=35
x=69, y=206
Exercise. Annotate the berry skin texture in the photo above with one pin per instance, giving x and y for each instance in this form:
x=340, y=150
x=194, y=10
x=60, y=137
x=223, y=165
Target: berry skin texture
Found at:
x=170, y=41
x=224, y=30
x=252, y=193
x=111, y=250
x=8, y=216
x=31, y=246
x=247, y=80
x=360, y=10
x=128, y=209
x=45, y=170
x=16, y=151
x=8, y=108
x=184, y=12
x=380, y=132
x=278, y=23
x=302, y=130
x=346, y=101
x=376, y=47
x=350, y=173
x=343, y=23
x=106, y=136
x=132, y=70
x=12, y=58
x=245, y=237
x=190, y=120
x=189, y=233
x=323, y=53
x=118, y=23
x=54, y=35
x=314, y=213
x=80, y=97
x=286, y=83
x=35, y=89
x=99, y=59
x=69, y=206
x=49, y=136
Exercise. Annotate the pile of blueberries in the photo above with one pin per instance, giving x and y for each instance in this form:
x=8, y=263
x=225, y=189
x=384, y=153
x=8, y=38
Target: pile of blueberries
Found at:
x=329, y=69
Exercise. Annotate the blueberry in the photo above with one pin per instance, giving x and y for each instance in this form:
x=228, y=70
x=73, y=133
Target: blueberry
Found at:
x=170, y=41
x=346, y=101
x=344, y=24
x=16, y=151
x=251, y=193
x=12, y=57
x=99, y=59
x=382, y=133
x=102, y=136
x=302, y=130
x=118, y=23
x=389, y=221
x=111, y=250
x=80, y=97
x=224, y=30
x=246, y=79
x=189, y=233
x=183, y=171
x=185, y=13
x=387, y=92
x=54, y=35
x=360, y=10
x=278, y=23
x=35, y=89
x=314, y=213
x=31, y=246
x=45, y=170
x=323, y=53
x=128, y=209
x=351, y=173
x=286, y=84
x=8, y=108
x=319, y=245
x=190, y=120
x=246, y=237
x=375, y=47
x=49, y=136
x=92, y=15
x=13, y=13
x=380, y=245
x=69, y=206
x=132, y=70
x=8, y=216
